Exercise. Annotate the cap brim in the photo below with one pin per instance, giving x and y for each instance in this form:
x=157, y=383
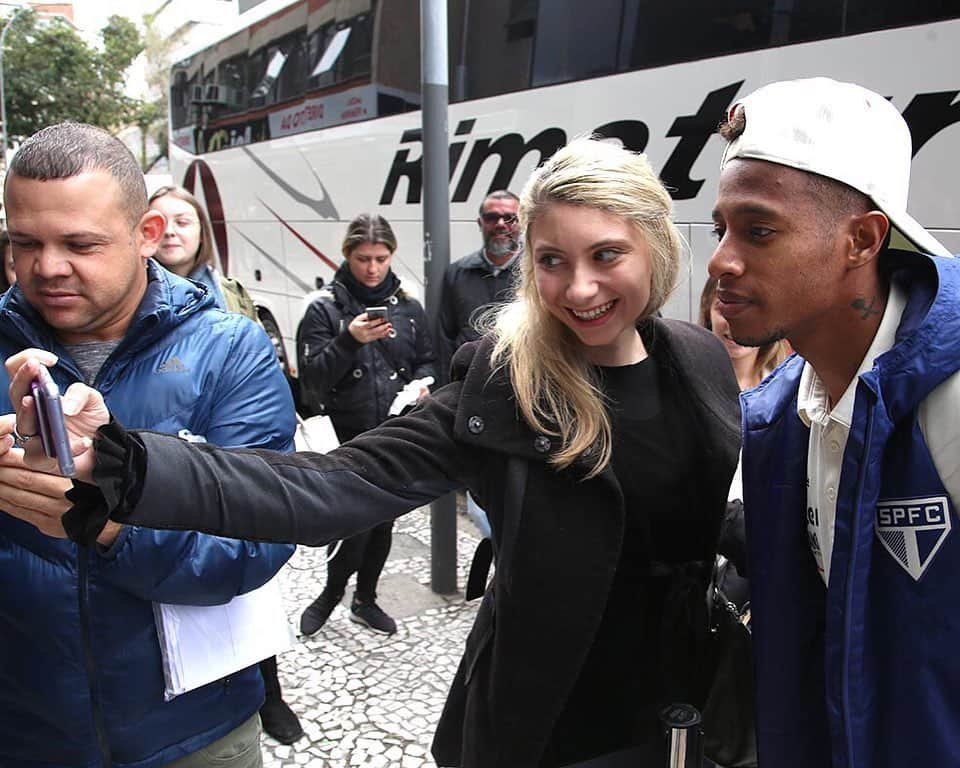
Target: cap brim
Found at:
x=909, y=235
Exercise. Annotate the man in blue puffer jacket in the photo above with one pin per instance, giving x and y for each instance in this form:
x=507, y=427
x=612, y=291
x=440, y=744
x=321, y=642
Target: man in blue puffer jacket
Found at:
x=851, y=464
x=81, y=680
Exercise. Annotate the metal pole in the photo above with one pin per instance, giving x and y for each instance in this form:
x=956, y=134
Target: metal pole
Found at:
x=684, y=733
x=3, y=96
x=436, y=247
x=461, y=82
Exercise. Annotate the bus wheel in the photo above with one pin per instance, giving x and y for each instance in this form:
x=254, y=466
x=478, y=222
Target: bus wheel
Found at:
x=273, y=332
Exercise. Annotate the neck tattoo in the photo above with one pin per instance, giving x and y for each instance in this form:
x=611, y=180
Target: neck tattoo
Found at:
x=868, y=309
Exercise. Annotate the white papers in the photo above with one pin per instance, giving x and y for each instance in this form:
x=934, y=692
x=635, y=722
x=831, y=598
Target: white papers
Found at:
x=409, y=395
x=200, y=644
x=736, y=485
x=315, y=434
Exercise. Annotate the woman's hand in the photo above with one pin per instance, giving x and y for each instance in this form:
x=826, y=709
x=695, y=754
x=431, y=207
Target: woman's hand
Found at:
x=365, y=329
x=83, y=408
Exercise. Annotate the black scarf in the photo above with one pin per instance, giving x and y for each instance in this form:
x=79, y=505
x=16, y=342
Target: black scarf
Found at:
x=368, y=297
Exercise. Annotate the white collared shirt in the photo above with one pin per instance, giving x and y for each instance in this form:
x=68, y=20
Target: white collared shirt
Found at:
x=829, y=429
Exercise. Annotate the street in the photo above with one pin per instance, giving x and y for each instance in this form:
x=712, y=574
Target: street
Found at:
x=366, y=699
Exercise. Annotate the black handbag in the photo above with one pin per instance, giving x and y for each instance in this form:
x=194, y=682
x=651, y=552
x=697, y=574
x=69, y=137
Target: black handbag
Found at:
x=729, y=711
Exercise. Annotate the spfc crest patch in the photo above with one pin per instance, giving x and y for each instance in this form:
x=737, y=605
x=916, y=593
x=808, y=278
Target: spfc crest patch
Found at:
x=912, y=530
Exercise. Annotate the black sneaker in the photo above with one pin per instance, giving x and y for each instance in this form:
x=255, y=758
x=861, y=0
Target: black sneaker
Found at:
x=280, y=721
x=371, y=615
x=316, y=614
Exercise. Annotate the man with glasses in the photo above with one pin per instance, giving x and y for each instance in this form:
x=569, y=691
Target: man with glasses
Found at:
x=482, y=278
x=474, y=283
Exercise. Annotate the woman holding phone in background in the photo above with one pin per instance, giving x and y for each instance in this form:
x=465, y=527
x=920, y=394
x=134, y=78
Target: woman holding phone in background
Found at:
x=359, y=343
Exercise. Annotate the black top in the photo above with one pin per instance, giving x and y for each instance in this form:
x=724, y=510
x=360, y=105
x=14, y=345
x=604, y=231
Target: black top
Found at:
x=615, y=701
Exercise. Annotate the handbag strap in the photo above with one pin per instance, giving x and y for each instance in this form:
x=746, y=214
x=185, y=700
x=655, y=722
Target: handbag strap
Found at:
x=388, y=358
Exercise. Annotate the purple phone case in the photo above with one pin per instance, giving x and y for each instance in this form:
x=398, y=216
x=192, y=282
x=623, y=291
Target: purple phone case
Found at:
x=53, y=427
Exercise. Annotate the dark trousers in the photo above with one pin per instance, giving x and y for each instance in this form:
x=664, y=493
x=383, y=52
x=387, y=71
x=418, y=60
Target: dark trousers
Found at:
x=365, y=555
x=271, y=681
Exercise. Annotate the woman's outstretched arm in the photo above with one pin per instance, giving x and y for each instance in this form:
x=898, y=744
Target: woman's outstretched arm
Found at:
x=161, y=481
x=301, y=498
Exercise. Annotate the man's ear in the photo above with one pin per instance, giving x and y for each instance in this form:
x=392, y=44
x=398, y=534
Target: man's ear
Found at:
x=150, y=230
x=868, y=233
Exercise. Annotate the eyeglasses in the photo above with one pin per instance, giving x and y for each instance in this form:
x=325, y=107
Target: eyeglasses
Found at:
x=492, y=218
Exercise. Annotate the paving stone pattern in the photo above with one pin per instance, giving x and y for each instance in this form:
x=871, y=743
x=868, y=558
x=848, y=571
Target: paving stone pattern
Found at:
x=366, y=699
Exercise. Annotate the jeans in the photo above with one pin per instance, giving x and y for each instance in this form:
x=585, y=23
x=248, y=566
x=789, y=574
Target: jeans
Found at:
x=238, y=749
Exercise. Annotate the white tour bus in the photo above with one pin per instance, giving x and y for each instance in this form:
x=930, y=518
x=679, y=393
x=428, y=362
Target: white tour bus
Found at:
x=304, y=114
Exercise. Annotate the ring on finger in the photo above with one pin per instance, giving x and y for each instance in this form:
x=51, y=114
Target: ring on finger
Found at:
x=21, y=438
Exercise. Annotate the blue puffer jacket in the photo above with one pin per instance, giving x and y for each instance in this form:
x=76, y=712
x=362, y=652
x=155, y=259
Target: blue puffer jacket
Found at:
x=81, y=681
x=865, y=674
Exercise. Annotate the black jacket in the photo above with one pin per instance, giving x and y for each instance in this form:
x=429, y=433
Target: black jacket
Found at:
x=469, y=285
x=355, y=383
x=557, y=536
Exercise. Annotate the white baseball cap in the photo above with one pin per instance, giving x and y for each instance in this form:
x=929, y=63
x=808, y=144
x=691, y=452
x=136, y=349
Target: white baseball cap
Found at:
x=838, y=130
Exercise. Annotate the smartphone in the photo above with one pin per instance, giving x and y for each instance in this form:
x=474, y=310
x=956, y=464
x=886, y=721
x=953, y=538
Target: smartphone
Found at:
x=53, y=427
x=377, y=313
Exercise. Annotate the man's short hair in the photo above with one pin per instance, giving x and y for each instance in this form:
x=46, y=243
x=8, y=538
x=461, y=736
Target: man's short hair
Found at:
x=499, y=194
x=66, y=150
x=837, y=131
x=832, y=196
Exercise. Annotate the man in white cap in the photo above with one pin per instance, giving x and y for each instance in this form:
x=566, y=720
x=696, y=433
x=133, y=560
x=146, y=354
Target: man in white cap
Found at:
x=851, y=452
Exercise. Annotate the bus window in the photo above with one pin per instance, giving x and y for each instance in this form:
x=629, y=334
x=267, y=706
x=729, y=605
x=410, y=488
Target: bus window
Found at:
x=574, y=40
x=397, y=44
x=233, y=76
x=180, y=107
x=499, y=39
x=345, y=50
x=282, y=69
x=870, y=15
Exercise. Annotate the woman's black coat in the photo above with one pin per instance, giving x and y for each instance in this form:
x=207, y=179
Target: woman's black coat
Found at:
x=355, y=383
x=557, y=536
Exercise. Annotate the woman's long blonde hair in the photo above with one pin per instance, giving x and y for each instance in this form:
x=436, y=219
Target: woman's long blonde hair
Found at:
x=554, y=381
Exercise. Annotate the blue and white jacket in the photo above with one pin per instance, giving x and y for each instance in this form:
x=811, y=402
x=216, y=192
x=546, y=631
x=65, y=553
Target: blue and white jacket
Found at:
x=81, y=681
x=867, y=673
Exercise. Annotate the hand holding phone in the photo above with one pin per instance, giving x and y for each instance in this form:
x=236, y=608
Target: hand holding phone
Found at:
x=53, y=427
x=372, y=324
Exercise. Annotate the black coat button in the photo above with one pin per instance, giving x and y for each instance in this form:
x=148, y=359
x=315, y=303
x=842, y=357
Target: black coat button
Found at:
x=475, y=425
x=541, y=444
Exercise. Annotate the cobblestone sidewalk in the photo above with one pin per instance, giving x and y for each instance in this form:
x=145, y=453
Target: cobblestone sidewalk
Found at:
x=365, y=699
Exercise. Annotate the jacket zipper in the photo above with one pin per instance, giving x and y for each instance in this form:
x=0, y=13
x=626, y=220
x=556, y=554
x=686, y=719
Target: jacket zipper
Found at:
x=101, y=731
x=848, y=597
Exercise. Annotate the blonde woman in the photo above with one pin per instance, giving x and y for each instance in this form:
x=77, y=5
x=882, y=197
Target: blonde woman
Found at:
x=600, y=439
